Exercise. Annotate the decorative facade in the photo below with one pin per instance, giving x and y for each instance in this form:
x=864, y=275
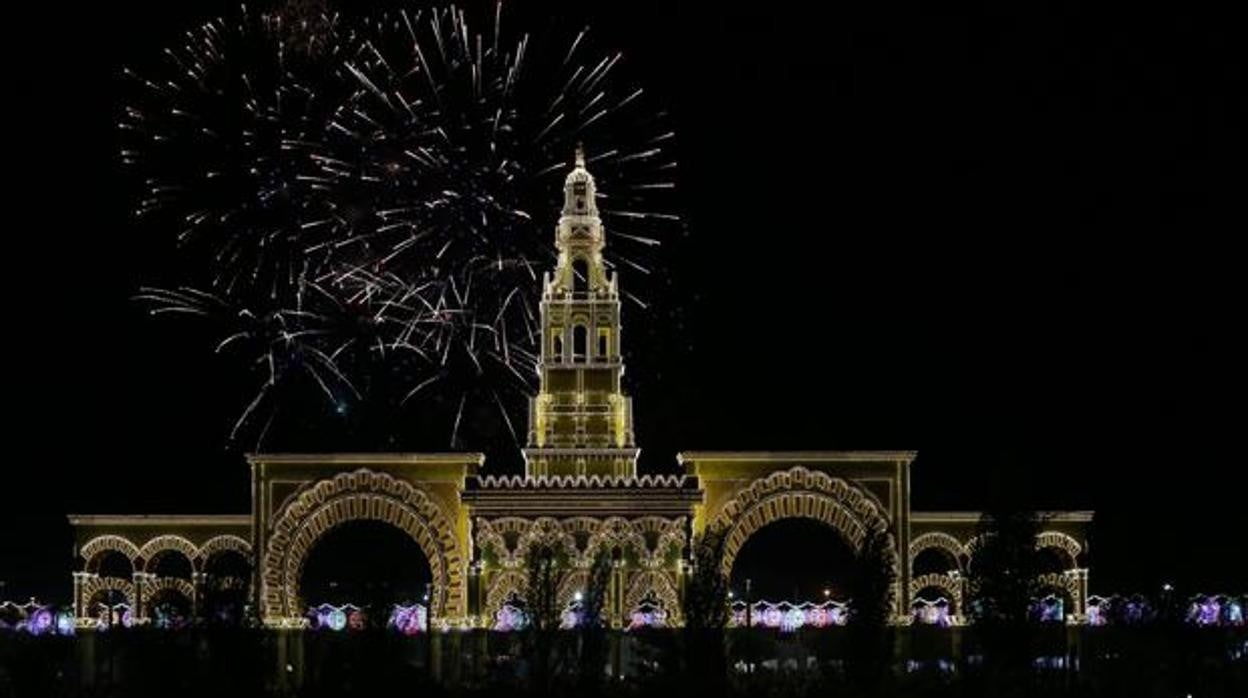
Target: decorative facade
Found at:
x=580, y=498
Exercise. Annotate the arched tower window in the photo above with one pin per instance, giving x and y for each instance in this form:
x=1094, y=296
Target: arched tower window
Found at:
x=578, y=192
x=604, y=343
x=580, y=275
x=556, y=342
x=580, y=343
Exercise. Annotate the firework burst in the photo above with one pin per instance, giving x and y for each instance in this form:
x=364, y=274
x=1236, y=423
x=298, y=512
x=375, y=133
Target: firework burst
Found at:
x=218, y=135
x=381, y=223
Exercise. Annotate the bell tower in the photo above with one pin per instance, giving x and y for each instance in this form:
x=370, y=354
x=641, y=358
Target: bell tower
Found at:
x=580, y=421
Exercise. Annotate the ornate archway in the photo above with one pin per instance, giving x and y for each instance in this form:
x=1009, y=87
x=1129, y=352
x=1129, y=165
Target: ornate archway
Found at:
x=95, y=585
x=504, y=586
x=360, y=495
x=655, y=584
x=220, y=544
x=580, y=531
x=545, y=531
x=950, y=585
x=1066, y=582
x=99, y=545
x=154, y=588
x=940, y=541
x=799, y=493
x=616, y=532
x=576, y=581
x=660, y=536
x=165, y=544
x=1065, y=544
x=502, y=538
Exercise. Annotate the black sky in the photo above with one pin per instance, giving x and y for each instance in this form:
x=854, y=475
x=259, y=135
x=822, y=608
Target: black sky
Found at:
x=1004, y=236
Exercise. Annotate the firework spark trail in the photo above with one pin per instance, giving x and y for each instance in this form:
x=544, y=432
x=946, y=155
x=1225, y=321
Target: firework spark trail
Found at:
x=280, y=341
x=388, y=189
x=218, y=133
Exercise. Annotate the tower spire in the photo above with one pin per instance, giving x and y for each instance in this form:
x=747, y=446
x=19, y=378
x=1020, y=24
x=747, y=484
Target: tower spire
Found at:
x=580, y=210
x=581, y=421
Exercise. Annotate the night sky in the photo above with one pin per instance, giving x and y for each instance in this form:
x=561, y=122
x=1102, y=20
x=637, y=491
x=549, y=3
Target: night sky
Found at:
x=1002, y=236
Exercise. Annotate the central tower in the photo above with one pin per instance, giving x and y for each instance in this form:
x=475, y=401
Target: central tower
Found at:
x=580, y=421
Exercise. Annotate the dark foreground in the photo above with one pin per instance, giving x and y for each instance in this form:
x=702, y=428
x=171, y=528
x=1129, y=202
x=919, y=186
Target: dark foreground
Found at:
x=1136, y=662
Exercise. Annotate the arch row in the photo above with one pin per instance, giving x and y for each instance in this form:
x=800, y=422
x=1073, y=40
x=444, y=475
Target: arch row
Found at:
x=650, y=539
x=142, y=557
x=360, y=495
x=106, y=543
x=501, y=537
x=1052, y=540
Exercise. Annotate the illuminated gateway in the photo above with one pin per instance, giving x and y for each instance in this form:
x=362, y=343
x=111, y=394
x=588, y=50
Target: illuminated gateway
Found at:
x=580, y=497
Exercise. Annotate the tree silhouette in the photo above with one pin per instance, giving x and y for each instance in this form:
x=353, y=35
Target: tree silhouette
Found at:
x=593, y=626
x=706, y=616
x=706, y=591
x=874, y=581
x=543, y=615
x=1002, y=580
x=874, y=592
x=1002, y=584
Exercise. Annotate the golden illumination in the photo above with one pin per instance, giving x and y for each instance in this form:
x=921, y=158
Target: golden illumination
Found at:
x=580, y=496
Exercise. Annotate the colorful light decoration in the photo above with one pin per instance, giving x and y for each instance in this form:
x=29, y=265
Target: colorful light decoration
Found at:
x=1097, y=611
x=169, y=617
x=1206, y=611
x=36, y=619
x=772, y=617
x=65, y=623
x=330, y=617
x=1234, y=613
x=409, y=620
x=510, y=618
x=788, y=616
x=1216, y=611
x=107, y=616
x=336, y=620
x=647, y=615
x=1138, y=611
x=792, y=619
x=1203, y=611
x=1050, y=609
x=1115, y=610
x=932, y=612
x=571, y=617
x=41, y=622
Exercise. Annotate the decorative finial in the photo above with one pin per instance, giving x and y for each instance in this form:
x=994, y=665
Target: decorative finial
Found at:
x=580, y=155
